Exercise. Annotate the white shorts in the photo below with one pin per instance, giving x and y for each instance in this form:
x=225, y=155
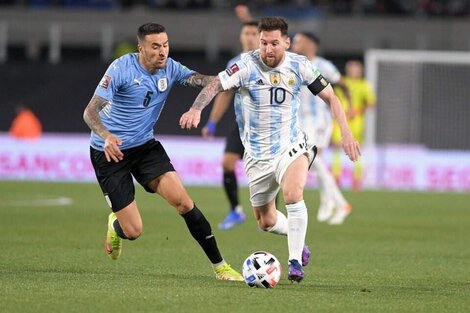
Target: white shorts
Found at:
x=319, y=134
x=265, y=176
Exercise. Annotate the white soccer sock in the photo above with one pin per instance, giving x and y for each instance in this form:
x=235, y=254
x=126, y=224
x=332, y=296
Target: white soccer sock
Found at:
x=280, y=227
x=318, y=168
x=297, y=219
x=326, y=181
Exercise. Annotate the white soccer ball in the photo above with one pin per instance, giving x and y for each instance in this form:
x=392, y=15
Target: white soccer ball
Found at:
x=261, y=269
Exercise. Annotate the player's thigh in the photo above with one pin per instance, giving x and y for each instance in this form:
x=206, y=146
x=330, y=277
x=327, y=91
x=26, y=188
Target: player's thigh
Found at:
x=261, y=181
x=130, y=220
x=294, y=179
x=115, y=179
x=170, y=187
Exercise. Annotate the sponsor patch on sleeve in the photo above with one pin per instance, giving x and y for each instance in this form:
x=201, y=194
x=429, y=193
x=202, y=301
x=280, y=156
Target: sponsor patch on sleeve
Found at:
x=232, y=69
x=104, y=83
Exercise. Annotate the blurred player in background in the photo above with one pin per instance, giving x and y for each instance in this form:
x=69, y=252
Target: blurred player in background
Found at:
x=26, y=125
x=316, y=121
x=277, y=155
x=362, y=99
x=234, y=149
x=121, y=114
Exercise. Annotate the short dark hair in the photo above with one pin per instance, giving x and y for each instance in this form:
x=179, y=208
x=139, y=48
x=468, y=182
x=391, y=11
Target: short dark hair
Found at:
x=311, y=36
x=149, y=28
x=272, y=23
x=251, y=23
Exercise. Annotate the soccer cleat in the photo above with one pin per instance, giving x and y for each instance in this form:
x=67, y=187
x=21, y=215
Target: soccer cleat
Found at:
x=305, y=255
x=113, y=242
x=325, y=211
x=296, y=273
x=226, y=272
x=340, y=215
x=233, y=218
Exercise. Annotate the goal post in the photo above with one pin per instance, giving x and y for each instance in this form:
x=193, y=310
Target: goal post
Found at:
x=423, y=97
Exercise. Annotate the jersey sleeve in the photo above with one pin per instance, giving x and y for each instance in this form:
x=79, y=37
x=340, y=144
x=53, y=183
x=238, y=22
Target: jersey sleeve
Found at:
x=180, y=72
x=312, y=77
x=111, y=81
x=331, y=73
x=234, y=76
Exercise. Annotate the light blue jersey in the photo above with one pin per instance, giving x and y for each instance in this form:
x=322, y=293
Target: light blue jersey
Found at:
x=135, y=98
x=237, y=99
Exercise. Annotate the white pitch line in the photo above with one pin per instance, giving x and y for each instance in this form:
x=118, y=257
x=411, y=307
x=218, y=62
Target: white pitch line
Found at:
x=60, y=201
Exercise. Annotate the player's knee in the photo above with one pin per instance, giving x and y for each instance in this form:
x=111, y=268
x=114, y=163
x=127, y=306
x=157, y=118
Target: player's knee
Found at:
x=183, y=204
x=293, y=194
x=133, y=232
x=228, y=164
x=265, y=224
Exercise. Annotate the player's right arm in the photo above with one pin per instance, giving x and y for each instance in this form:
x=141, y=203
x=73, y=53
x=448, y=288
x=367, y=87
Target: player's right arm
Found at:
x=105, y=90
x=232, y=78
x=192, y=118
x=221, y=104
x=91, y=116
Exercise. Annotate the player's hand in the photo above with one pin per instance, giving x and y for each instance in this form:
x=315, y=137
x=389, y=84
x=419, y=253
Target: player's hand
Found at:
x=111, y=148
x=208, y=131
x=350, y=113
x=351, y=147
x=190, y=119
x=243, y=13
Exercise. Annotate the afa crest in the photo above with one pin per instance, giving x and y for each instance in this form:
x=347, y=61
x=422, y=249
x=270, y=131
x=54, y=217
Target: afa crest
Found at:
x=162, y=84
x=291, y=81
x=275, y=78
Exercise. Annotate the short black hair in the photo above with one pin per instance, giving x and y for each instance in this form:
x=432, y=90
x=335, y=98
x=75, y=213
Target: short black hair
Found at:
x=149, y=28
x=250, y=23
x=311, y=36
x=272, y=23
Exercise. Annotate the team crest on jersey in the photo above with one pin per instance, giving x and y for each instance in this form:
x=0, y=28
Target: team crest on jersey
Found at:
x=232, y=69
x=104, y=83
x=275, y=78
x=291, y=81
x=162, y=84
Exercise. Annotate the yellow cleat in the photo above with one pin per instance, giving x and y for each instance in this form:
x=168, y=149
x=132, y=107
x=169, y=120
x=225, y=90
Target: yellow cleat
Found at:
x=113, y=243
x=226, y=272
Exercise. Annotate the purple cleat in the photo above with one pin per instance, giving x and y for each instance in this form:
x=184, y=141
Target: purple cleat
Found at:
x=305, y=255
x=296, y=273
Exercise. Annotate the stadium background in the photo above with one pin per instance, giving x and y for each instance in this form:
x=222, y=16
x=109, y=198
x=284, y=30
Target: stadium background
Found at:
x=54, y=52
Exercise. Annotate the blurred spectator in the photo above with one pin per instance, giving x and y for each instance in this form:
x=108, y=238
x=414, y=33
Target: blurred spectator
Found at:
x=362, y=99
x=25, y=125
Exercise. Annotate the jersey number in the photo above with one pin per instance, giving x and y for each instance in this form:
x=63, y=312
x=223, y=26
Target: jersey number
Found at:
x=278, y=95
x=148, y=96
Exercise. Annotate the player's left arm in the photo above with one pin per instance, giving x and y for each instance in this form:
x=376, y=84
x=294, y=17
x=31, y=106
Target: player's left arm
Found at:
x=199, y=80
x=326, y=93
x=192, y=118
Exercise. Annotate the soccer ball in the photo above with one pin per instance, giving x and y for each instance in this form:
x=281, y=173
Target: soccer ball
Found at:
x=261, y=269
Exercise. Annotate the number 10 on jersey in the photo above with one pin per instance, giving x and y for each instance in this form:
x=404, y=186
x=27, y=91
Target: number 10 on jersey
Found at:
x=277, y=95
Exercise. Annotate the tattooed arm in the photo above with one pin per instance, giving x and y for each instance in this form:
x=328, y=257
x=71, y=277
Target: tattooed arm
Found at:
x=92, y=118
x=199, y=80
x=192, y=118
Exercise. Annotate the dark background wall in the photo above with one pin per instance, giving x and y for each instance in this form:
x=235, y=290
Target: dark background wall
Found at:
x=59, y=93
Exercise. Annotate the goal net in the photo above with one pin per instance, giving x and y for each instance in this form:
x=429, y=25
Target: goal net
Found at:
x=423, y=97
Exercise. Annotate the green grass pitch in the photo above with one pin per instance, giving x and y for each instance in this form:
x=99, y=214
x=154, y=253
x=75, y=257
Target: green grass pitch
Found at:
x=397, y=252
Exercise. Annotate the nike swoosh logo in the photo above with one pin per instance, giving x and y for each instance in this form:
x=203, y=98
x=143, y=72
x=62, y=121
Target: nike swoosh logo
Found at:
x=210, y=236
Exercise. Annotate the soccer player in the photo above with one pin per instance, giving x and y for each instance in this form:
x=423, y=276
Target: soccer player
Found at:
x=316, y=120
x=234, y=149
x=362, y=99
x=121, y=115
x=277, y=152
